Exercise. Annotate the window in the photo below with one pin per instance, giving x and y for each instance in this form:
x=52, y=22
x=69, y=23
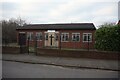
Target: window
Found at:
x=87, y=37
x=30, y=36
x=56, y=37
x=39, y=35
x=65, y=37
x=75, y=36
x=46, y=36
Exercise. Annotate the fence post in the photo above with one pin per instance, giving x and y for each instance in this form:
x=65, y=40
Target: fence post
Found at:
x=28, y=44
x=20, y=48
x=35, y=45
x=88, y=43
x=60, y=40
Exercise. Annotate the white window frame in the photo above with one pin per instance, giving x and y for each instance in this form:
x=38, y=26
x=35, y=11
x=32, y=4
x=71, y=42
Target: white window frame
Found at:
x=76, y=35
x=56, y=37
x=87, y=37
x=39, y=34
x=46, y=36
x=30, y=35
x=64, y=40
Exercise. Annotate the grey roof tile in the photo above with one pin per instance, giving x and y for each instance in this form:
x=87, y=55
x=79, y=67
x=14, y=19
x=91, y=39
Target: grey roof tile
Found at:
x=62, y=26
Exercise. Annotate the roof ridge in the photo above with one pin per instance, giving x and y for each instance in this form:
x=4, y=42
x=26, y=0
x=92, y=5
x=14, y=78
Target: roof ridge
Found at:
x=59, y=23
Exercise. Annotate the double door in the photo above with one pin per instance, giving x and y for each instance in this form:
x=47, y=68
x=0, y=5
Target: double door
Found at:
x=51, y=39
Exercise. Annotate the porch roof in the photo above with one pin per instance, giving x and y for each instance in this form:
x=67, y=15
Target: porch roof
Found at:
x=65, y=26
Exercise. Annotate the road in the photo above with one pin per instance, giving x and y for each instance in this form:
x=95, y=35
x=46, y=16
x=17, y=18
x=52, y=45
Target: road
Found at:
x=0, y=69
x=26, y=70
x=0, y=63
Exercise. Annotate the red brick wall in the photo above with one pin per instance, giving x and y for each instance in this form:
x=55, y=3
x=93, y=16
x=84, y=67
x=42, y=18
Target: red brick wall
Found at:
x=80, y=44
x=70, y=44
x=32, y=43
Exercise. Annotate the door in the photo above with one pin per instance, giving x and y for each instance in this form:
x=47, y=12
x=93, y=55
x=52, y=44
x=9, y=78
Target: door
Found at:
x=22, y=39
x=22, y=42
x=51, y=39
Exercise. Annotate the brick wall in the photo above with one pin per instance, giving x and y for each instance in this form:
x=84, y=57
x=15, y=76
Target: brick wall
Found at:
x=32, y=43
x=69, y=44
x=80, y=44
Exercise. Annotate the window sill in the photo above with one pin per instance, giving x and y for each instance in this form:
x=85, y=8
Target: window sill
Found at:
x=87, y=41
x=64, y=41
x=75, y=41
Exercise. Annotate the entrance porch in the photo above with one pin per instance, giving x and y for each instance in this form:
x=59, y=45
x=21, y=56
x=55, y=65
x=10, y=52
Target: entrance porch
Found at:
x=51, y=38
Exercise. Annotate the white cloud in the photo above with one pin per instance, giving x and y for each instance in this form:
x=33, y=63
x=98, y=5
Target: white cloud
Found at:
x=57, y=0
x=55, y=11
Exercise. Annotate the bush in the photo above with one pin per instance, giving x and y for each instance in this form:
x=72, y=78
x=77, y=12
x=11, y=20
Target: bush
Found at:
x=108, y=38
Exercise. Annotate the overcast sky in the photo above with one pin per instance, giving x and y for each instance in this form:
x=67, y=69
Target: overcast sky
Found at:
x=61, y=11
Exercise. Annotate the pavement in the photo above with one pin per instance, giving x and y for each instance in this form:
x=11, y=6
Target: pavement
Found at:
x=64, y=61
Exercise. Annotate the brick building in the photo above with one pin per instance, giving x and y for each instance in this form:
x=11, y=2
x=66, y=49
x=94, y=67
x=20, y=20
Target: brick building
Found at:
x=69, y=35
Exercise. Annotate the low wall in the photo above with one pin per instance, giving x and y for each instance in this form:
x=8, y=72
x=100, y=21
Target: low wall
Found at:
x=67, y=53
x=79, y=54
x=13, y=50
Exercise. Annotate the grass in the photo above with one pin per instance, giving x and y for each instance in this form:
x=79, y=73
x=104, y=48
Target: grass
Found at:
x=11, y=45
x=31, y=49
x=70, y=49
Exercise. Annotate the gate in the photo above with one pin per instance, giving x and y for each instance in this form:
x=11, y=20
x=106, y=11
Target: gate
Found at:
x=22, y=42
x=32, y=49
x=25, y=44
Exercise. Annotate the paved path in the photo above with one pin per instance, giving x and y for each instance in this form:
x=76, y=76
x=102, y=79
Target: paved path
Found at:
x=62, y=61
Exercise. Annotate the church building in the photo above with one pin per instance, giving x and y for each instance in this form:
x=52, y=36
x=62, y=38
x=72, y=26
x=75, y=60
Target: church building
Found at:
x=62, y=35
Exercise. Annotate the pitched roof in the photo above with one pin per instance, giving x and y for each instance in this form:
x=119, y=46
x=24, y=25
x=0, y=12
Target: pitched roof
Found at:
x=66, y=26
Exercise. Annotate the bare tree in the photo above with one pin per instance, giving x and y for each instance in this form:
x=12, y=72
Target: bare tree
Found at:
x=20, y=21
x=9, y=29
